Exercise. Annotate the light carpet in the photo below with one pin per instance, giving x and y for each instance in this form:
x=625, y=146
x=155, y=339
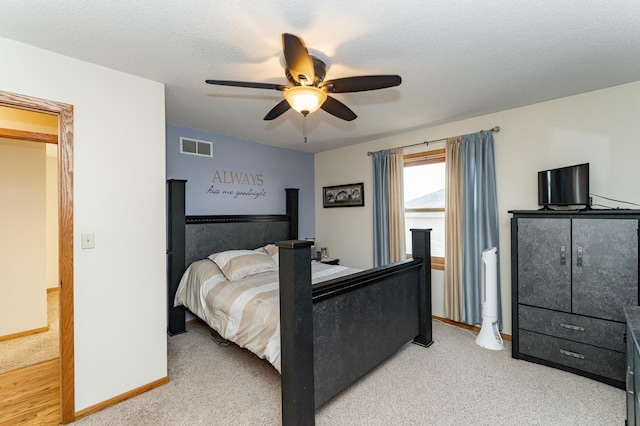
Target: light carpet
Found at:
x=35, y=348
x=453, y=382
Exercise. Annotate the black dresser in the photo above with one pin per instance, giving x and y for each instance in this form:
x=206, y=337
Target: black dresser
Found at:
x=572, y=273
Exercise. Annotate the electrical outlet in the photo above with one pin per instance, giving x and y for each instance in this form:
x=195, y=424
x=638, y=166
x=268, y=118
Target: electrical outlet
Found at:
x=88, y=241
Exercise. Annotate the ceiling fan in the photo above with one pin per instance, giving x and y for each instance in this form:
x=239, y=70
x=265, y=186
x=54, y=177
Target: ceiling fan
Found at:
x=307, y=91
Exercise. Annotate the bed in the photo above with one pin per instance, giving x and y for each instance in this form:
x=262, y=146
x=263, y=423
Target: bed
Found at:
x=332, y=332
x=236, y=293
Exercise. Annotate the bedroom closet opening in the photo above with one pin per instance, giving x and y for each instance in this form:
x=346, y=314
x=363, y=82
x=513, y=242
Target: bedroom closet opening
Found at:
x=39, y=387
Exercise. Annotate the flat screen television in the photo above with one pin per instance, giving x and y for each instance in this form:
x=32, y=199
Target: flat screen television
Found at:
x=565, y=186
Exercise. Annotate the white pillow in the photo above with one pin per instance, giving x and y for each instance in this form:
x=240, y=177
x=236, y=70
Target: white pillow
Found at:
x=272, y=250
x=237, y=264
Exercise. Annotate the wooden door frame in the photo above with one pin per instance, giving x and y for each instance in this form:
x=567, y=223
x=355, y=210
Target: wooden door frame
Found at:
x=65, y=236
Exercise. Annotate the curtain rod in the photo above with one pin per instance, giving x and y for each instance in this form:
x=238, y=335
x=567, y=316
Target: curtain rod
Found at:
x=495, y=129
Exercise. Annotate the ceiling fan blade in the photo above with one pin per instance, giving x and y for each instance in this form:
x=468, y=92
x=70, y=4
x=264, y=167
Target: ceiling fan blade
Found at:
x=337, y=108
x=278, y=110
x=299, y=63
x=247, y=84
x=361, y=83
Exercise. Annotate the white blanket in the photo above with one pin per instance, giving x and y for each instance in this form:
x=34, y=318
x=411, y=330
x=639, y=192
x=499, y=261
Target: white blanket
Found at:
x=246, y=312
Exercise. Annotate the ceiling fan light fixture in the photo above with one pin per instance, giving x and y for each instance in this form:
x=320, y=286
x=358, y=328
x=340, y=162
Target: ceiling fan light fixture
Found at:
x=307, y=88
x=305, y=99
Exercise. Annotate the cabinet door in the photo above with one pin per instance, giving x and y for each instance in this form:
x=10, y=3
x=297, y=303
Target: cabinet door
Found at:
x=605, y=267
x=544, y=263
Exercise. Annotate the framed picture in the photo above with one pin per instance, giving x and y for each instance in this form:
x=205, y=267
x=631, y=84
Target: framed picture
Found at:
x=351, y=195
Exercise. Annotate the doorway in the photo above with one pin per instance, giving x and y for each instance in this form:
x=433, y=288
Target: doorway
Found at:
x=65, y=232
x=29, y=331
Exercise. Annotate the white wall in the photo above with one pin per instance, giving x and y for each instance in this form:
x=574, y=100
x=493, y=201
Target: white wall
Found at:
x=23, y=305
x=52, y=275
x=119, y=194
x=600, y=128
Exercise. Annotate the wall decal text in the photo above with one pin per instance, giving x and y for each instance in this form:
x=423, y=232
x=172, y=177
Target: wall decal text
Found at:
x=227, y=178
x=238, y=178
x=255, y=194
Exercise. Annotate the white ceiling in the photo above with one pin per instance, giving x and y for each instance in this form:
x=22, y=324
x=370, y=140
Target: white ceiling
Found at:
x=457, y=59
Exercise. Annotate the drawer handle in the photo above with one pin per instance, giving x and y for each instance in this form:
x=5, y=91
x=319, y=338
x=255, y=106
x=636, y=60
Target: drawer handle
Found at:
x=563, y=255
x=629, y=380
x=572, y=354
x=571, y=327
x=579, y=260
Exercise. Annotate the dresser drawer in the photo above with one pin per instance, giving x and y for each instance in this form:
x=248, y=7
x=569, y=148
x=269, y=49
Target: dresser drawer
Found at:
x=592, y=331
x=602, y=362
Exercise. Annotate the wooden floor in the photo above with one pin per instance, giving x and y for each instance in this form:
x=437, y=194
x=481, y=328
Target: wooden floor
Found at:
x=31, y=396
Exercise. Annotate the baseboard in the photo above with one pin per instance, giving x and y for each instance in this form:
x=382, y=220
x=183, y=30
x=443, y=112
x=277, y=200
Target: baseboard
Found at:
x=473, y=328
x=24, y=333
x=123, y=397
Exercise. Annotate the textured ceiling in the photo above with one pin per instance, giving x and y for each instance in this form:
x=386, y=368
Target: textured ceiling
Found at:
x=457, y=59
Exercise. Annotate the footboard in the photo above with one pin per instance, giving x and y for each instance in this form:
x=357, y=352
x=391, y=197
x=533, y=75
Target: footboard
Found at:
x=337, y=331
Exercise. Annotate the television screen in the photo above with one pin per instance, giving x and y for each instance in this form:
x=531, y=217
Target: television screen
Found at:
x=565, y=186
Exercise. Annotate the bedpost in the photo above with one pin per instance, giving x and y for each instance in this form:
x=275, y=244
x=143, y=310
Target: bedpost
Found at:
x=296, y=333
x=175, y=252
x=292, y=212
x=421, y=248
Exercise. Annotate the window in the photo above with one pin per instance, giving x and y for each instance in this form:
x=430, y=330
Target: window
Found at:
x=424, y=189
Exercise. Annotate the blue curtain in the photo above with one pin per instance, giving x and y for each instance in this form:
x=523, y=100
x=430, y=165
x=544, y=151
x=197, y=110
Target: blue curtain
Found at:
x=480, y=219
x=381, y=207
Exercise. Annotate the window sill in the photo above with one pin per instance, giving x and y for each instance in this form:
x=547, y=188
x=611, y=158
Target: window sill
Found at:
x=437, y=263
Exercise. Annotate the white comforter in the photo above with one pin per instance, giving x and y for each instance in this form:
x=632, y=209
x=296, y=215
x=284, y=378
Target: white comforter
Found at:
x=247, y=311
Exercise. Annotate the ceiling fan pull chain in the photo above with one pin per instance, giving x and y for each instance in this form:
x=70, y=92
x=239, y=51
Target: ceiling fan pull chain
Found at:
x=304, y=127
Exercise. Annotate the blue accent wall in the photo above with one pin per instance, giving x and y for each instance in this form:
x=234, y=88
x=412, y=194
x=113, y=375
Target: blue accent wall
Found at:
x=242, y=177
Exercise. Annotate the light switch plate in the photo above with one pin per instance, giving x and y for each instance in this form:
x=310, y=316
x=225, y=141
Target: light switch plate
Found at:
x=88, y=241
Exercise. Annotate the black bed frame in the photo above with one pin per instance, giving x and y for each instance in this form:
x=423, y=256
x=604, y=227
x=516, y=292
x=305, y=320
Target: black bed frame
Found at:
x=332, y=333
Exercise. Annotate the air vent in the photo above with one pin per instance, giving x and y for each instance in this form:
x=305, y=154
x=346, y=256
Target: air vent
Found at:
x=196, y=147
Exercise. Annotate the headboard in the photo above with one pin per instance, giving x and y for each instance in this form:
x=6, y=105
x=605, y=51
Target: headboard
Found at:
x=191, y=238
